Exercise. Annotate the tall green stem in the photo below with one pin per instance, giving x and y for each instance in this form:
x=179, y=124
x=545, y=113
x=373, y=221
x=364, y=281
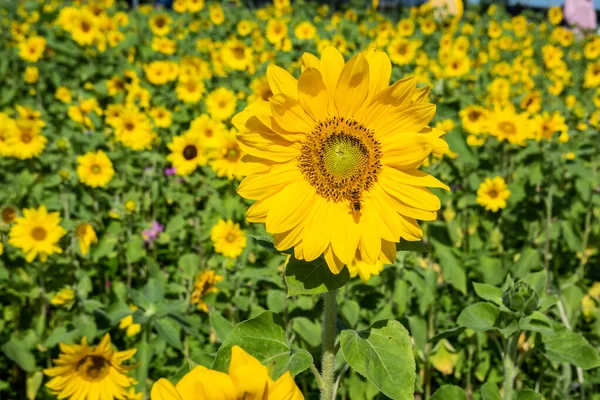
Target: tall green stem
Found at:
x=510, y=365
x=329, y=334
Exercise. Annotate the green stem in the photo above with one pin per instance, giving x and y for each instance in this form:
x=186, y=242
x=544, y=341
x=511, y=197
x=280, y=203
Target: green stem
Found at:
x=510, y=365
x=329, y=334
x=547, y=254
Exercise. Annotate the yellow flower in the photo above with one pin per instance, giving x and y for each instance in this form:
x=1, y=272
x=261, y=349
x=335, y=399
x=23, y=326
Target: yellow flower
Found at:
x=32, y=49
x=64, y=296
x=194, y=6
x=31, y=74
x=244, y=27
x=247, y=378
x=334, y=158
x=403, y=51
x=210, y=130
x=8, y=215
x=221, y=104
x=127, y=323
x=548, y=124
x=84, y=27
x=8, y=128
x=133, y=128
x=37, y=232
x=130, y=206
x=305, y=31
x=226, y=158
x=190, y=90
x=63, y=94
x=216, y=14
x=87, y=236
x=569, y=156
x=493, y=193
x=506, y=124
x=592, y=75
x=160, y=24
x=228, y=239
x=203, y=285
x=277, y=30
x=161, y=116
x=95, y=169
x=555, y=15
x=187, y=152
x=28, y=141
x=236, y=55
x=260, y=90
x=83, y=371
x=364, y=270
x=164, y=45
x=473, y=119
x=160, y=72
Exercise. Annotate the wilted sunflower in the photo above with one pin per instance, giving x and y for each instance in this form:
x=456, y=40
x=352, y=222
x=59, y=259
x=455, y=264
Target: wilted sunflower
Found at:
x=205, y=284
x=90, y=372
x=335, y=156
x=95, y=169
x=37, y=232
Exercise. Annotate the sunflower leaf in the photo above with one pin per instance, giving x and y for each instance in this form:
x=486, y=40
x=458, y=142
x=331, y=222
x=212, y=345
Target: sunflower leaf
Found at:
x=312, y=277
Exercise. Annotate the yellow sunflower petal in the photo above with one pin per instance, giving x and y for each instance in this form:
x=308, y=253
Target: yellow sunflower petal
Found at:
x=312, y=94
x=352, y=87
x=281, y=81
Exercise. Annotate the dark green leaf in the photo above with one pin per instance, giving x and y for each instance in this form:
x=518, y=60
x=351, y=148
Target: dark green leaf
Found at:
x=312, y=277
x=449, y=392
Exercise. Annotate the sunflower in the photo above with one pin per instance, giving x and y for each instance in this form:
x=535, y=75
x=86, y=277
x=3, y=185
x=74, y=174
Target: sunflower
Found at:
x=187, y=152
x=548, y=124
x=473, y=119
x=164, y=45
x=8, y=215
x=203, y=285
x=305, y=31
x=277, y=30
x=84, y=29
x=95, y=169
x=133, y=128
x=32, y=49
x=226, y=157
x=84, y=372
x=194, y=6
x=506, y=124
x=493, y=193
x=160, y=72
x=247, y=378
x=364, y=270
x=64, y=296
x=335, y=157
x=236, y=55
x=160, y=24
x=162, y=117
x=37, y=232
x=211, y=130
x=228, y=239
x=402, y=51
x=221, y=104
x=87, y=236
x=592, y=75
x=190, y=90
x=8, y=128
x=63, y=94
x=261, y=91
x=27, y=142
x=215, y=13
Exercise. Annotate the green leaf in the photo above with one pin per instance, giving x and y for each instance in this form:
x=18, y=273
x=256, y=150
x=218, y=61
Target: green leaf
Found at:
x=447, y=333
x=383, y=354
x=449, y=392
x=135, y=249
x=189, y=264
x=169, y=331
x=34, y=382
x=351, y=311
x=537, y=281
x=530, y=259
x=489, y=391
x=564, y=345
x=264, y=338
x=276, y=300
x=417, y=247
x=452, y=269
x=488, y=292
x=536, y=322
x=528, y=394
x=312, y=277
x=479, y=316
x=16, y=350
x=308, y=330
x=220, y=324
x=144, y=356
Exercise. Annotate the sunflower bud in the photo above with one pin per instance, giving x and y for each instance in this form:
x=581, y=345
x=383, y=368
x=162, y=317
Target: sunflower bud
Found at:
x=521, y=298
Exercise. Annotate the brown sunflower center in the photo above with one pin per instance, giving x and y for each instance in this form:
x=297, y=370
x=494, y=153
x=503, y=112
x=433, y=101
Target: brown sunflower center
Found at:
x=26, y=137
x=96, y=169
x=85, y=26
x=93, y=367
x=341, y=159
x=129, y=126
x=81, y=230
x=160, y=22
x=190, y=152
x=39, y=233
x=493, y=193
x=230, y=238
x=8, y=215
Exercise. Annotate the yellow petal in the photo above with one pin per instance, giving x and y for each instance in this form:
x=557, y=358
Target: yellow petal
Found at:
x=408, y=151
x=370, y=239
x=285, y=388
x=257, y=186
x=316, y=231
x=380, y=70
x=290, y=115
x=291, y=206
x=352, y=87
x=404, y=119
x=332, y=64
x=414, y=177
x=335, y=264
x=204, y=384
x=414, y=196
x=309, y=61
x=287, y=240
x=400, y=93
x=249, y=376
x=312, y=94
x=281, y=81
x=345, y=233
x=164, y=390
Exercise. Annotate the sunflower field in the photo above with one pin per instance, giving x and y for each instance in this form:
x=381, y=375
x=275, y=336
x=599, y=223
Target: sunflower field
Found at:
x=225, y=201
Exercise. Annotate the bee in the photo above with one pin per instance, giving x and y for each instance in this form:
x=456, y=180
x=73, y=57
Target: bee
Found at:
x=355, y=201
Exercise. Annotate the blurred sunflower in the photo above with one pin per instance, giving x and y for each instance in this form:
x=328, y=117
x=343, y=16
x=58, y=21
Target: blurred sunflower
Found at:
x=338, y=152
x=32, y=49
x=210, y=129
x=162, y=117
x=84, y=28
x=160, y=24
x=203, y=285
x=228, y=239
x=473, y=119
x=27, y=142
x=506, y=124
x=364, y=270
x=8, y=128
x=260, y=90
x=64, y=296
x=127, y=324
x=37, y=233
x=221, y=103
x=187, y=152
x=493, y=193
x=190, y=90
x=226, y=157
x=87, y=372
x=133, y=128
x=95, y=169
x=87, y=236
x=277, y=30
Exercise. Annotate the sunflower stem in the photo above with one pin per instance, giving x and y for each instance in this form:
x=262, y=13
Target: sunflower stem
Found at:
x=329, y=334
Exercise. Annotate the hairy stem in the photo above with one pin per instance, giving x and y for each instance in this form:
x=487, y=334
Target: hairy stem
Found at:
x=510, y=365
x=329, y=334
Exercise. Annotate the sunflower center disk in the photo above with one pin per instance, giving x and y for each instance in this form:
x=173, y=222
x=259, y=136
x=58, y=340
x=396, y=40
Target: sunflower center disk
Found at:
x=93, y=368
x=341, y=159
